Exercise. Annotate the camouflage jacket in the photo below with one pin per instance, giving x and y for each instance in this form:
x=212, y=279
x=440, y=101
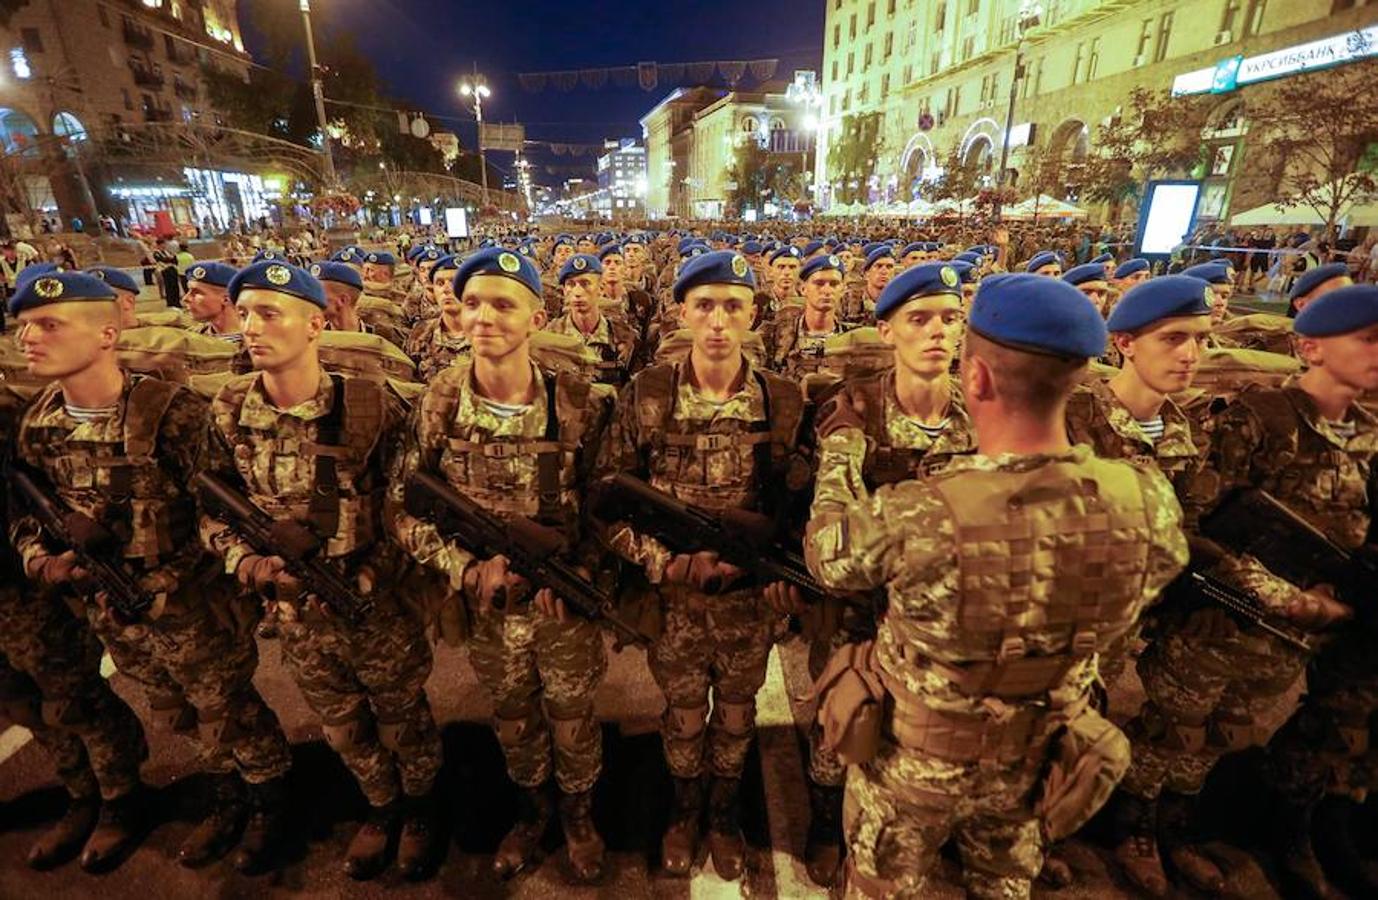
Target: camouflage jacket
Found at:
x=613, y=340
x=1096, y=416
x=792, y=351
x=433, y=348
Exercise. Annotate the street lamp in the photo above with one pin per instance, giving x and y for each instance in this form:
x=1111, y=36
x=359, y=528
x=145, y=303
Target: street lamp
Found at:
x=319, y=92
x=476, y=88
x=1030, y=15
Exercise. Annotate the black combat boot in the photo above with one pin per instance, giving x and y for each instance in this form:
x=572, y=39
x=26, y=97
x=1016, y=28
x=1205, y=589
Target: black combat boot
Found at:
x=1180, y=839
x=583, y=844
x=1300, y=871
x=65, y=839
x=679, y=848
x=265, y=829
x=823, y=850
x=367, y=854
x=1136, y=842
x=120, y=827
x=417, y=843
x=225, y=807
x=518, y=848
x=726, y=844
x=1339, y=836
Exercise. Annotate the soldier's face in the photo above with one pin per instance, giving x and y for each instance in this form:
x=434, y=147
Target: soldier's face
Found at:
x=1348, y=359
x=205, y=301
x=880, y=273
x=377, y=273
x=582, y=293
x=1166, y=355
x=1053, y=270
x=924, y=332
x=498, y=314
x=426, y=269
x=717, y=316
x=1320, y=290
x=912, y=259
x=1219, y=300
x=586, y=246
x=613, y=268
x=1097, y=292
x=786, y=270
x=62, y=339
x=444, y=290
x=562, y=254
x=846, y=257
x=277, y=329
x=1129, y=281
x=821, y=290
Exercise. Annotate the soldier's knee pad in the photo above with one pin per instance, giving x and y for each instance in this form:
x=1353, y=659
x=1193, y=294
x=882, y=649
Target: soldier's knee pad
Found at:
x=1234, y=733
x=734, y=716
x=349, y=731
x=569, y=734
x=64, y=712
x=513, y=729
x=684, y=723
x=173, y=714
x=399, y=731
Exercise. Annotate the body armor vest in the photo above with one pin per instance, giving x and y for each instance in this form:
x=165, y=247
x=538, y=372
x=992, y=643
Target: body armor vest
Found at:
x=885, y=463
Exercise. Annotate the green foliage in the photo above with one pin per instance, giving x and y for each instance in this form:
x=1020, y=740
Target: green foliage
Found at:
x=1156, y=136
x=852, y=156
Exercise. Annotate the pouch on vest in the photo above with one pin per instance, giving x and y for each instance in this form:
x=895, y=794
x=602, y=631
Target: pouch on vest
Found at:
x=850, y=697
x=1089, y=757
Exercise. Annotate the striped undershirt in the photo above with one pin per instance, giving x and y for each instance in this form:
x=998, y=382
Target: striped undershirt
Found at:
x=504, y=410
x=1153, y=428
x=933, y=431
x=1346, y=429
x=88, y=413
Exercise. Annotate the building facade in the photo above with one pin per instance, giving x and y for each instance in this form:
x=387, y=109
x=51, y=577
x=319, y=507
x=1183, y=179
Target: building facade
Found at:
x=937, y=76
x=622, y=181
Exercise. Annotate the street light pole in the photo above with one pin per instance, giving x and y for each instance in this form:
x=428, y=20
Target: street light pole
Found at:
x=319, y=92
x=1029, y=17
x=478, y=89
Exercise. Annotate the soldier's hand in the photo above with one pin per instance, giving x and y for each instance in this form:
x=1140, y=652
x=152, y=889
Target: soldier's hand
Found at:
x=677, y=569
x=54, y=570
x=1317, y=608
x=493, y=583
x=1210, y=623
x=547, y=604
x=785, y=599
x=262, y=573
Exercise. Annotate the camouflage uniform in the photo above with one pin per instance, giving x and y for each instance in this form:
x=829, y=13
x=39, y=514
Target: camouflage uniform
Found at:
x=961, y=754
x=129, y=471
x=613, y=340
x=792, y=351
x=322, y=462
x=433, y=348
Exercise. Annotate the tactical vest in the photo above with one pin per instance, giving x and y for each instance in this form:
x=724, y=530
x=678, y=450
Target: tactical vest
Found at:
x=433, y=350
x=118, y=483
x=1088, y=418
x=733, y=463
x=1051, y=566
x=785, y=357
x=337, y=488
x=482, y=465
x=885, y=463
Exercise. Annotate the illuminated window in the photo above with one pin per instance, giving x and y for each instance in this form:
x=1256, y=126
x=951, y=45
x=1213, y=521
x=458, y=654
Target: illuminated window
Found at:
x=20, y=64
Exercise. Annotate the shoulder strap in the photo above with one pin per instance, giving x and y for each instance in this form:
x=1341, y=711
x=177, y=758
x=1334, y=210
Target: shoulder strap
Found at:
x=324, y=510
x=654, y=396
x=148, y=401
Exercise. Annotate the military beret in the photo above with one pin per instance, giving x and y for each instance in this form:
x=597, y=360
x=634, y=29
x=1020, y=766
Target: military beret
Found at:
x=970, y=257
x=1131, y=267
x=562, y=240
x=884, y=251
x=444, y=264
x=609, y=249
x=634, y=239
x=924, y=280
x=689, y=251
x=32, y=271
x=1043, y=258
x=716, y=267
x=1309, y=280
x=414, y=252
x=429, y=255
x=348, y=254
x=59, y=287
x=788, y=250
x=916, y=247
x=268, y=256
x=1037, y=314
x=216, y=273
x=487, y=243
x=500, y=262
x=580, y=264
x=976, y=248
x=732, y=240
x=1104, y=258
x=118, y=279
x=1084, y=273
x=752, y=248
x=338, y=272
x=820, y=263
x=280, y=277
x=812, y=247
x=1160, y=298
x=381, y=258
x=832, y=243
x=873, y=246
x=685, y=242
x=1211, y=272
x=965, y=270
x=1340, y=311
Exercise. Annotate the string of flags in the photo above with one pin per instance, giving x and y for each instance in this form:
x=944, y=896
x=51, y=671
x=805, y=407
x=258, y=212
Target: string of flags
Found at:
x=649, y=75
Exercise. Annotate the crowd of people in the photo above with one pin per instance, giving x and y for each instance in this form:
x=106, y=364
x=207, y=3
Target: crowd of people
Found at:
x=1006, y=463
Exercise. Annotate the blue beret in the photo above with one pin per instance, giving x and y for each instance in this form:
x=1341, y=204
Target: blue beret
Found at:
x=812, y=247
x=1104, y=258
x=32, y=271
x=884, y=251
x=1159, y=298
x=500, y=262
x=562, y=240
x=965, y=270
x=337, y=272
x=689, y=251
x=1131, y=266
x=685, y=242
x=1212, y=272
x=416, y=251
x=731, y=240
x=1092, y=271
x=269, y=256
x=118, y=279
x=381, y=258
x=1037, y=314
x=976, y=248
x=716, y=267
x=1341, y=311
x=1309, y=280
x=787, y=250
x=526, y=250
x=916, y=247
x=428, y=255
x=609, y=249
x=580, y=264
x=216, y=273
x=819, y=263
x=869, y=248
x=348, y=254
x=634, y=239
x=752, y=248
x=971, y=257
x=924, y=280
x=280, y=277
x=58, y=287
x=1043, y=258
x=444, y=264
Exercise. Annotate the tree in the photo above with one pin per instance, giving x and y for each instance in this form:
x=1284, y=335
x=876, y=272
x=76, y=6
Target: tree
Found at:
x=1157, y=136
x=750, y=175
x=852, y=157
x=1320, y=126
x=961, y=177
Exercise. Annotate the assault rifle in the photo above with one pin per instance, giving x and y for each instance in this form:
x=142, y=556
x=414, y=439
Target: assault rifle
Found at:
x=1245, y=606
x=288, y=539
x=532, y=550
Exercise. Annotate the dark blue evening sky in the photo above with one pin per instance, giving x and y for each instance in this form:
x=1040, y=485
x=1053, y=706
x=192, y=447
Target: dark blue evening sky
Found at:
x=421, y=48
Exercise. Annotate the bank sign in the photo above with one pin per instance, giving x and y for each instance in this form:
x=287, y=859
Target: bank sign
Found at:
x=1238, y=71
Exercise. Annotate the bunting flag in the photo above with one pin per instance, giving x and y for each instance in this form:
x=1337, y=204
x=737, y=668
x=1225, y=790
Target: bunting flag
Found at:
x=650, y=75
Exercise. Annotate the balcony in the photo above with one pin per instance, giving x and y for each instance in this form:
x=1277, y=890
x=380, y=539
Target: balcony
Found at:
x=147, y=76
x=137, y=35
x=181, y=53
x=185, y=90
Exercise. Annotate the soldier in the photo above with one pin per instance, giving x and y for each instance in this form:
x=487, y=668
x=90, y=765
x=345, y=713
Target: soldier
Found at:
x=1045, y=262
x=560, y=253
x=1221, y=281
x=50, y=683
x=343, y=286
x=611, y=338
x=1314, y=283
x=127, y=295
x=435, y=343
x=1089, y=278
x=632, y=306
x=713, y=431
x=877, y=270
x=313, y=448
x=784, y=285
x=795, y=338
x=986, y=652
x=540, y=665
x=641, y=270
x=1129, y=273
x=379, y=271
x=1106, y=261
x=914, y=423
x=1208, y=680
x=913, y=254
x=121, y=449
x=422, y=303
x=208, y=301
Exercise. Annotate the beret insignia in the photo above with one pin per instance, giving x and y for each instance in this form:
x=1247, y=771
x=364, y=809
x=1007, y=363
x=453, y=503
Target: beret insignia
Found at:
x=834, y=261
x=949, y=276
x=316, y=269
x=739, y=266
x=509, y=263
x=198, y=273
x=278, y=275
x=579, y=263
x=48, y=288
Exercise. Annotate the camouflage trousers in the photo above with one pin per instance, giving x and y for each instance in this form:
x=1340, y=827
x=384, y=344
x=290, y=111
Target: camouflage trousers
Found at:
x=1330, y=744
x=198, y=676
x=1206, y=698
x=367, y=683
x=542, y=674
x=721, y=643
x=901, y=807
x=94, y=737
x=22, y=704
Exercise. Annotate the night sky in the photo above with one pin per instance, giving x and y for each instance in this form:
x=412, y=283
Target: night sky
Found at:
x=421, y=48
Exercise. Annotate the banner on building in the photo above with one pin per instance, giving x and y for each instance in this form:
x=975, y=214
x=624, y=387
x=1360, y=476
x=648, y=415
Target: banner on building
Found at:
x=494, y=136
